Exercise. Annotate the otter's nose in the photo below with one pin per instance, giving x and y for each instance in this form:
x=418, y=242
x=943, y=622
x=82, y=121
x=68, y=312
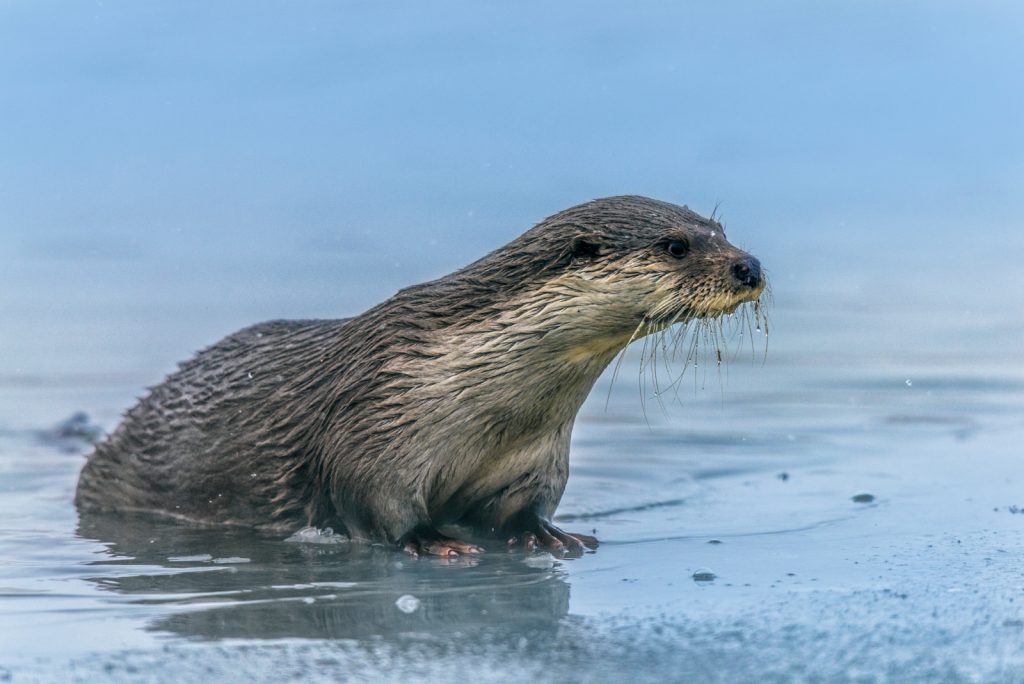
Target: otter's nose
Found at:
x=748, y=272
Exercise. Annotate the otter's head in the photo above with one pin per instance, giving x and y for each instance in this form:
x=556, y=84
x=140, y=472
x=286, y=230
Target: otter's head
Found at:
x=592, y=278
x=629, y=266
x=656, y=262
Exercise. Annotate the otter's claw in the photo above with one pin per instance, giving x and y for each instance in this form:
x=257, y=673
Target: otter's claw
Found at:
x=553, y=539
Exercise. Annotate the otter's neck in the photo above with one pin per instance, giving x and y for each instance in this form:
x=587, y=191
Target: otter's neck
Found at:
x=535, y=360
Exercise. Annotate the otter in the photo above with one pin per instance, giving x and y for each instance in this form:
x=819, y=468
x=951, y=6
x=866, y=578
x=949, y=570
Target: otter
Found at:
x=447, y=407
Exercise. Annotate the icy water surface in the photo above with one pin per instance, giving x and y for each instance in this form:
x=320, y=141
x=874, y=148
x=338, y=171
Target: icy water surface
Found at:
x=849, y=507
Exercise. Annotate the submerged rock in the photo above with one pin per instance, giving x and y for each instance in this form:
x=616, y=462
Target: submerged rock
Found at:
x=75, y=433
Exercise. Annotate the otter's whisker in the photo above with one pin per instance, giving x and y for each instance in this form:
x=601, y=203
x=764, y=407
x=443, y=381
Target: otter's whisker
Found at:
x=641, y=377
x=764, y=313
x=674, y=338
x=719, y=331
x=677, y=339
x=709, y=342
x=667, y=340
x=769, y=293
x=750, y=331
x=618, y=362
x=691, y=356
x=742, y=323
x=655, y=343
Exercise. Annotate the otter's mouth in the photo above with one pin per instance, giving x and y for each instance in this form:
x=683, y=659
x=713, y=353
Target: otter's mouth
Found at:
x=709, y=301
x=741, y=298
x=725, y=304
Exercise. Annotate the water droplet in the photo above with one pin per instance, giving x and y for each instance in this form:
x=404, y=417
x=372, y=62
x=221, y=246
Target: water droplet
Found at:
x=704, y=575
x=408, y=604
x=910, y=383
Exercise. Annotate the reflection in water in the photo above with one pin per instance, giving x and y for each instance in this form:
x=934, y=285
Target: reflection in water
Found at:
x=229, y=583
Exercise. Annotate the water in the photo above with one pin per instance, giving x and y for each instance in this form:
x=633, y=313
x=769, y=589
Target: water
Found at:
x=169, y=174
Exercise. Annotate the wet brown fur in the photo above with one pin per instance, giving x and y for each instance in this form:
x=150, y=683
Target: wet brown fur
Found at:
x=451, y=402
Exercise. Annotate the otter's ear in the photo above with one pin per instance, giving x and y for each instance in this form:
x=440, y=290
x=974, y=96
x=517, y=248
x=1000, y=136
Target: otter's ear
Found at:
x=583, y=248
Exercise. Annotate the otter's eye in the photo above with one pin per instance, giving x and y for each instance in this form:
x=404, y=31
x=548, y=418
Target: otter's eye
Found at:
x=678, y=248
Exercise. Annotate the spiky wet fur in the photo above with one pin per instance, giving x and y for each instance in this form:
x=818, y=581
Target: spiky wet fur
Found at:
x=451, y=402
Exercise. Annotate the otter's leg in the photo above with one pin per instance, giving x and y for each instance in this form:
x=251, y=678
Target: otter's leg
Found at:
x=532, y=531
x=429, y=542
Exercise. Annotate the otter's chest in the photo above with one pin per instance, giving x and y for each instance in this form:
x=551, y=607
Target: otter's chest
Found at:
x=522, y=470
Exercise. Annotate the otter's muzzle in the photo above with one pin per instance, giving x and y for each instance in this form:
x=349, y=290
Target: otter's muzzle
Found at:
x=748, y=272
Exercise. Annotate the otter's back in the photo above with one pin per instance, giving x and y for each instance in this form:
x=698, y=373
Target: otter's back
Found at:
x=223, y=437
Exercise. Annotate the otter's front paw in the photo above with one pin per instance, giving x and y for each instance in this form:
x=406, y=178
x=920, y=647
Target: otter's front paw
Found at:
x=543, y=534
